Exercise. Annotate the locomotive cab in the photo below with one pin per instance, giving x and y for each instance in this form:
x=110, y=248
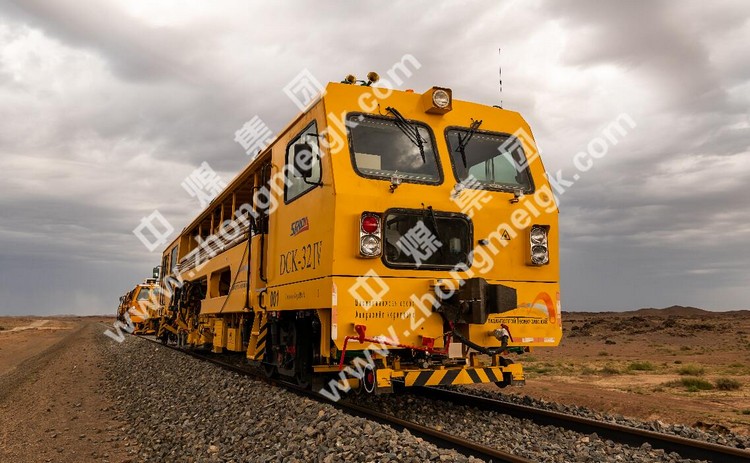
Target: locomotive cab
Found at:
x=383, y=237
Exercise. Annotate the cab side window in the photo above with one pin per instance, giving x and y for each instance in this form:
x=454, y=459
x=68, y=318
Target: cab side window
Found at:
x=302, y=173
x=173, y=261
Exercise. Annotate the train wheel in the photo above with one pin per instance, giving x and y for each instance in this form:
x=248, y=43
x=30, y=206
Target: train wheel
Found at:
x=303, y=353
x=302, y=379
x=270, y=370
x=268, y=364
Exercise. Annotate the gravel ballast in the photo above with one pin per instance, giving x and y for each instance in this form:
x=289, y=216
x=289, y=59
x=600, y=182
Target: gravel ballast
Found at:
x=518, y=436
x=182, y=409
x=690, y=432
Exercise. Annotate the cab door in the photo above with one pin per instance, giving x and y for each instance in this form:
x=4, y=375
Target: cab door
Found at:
x=296, y=224
x=258, y=265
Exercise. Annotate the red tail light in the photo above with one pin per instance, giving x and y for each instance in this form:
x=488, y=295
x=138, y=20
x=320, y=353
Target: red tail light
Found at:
x=370, y=236
x=370, y=224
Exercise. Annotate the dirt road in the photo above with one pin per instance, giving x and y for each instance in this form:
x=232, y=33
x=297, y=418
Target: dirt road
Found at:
x=51, y=405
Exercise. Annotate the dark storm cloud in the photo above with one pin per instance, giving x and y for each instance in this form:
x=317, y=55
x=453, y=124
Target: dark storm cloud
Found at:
x=653, y=37
x=108, y=106
x=665, y=214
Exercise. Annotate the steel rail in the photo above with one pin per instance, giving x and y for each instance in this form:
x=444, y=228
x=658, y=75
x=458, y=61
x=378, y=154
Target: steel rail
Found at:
x=687, y=448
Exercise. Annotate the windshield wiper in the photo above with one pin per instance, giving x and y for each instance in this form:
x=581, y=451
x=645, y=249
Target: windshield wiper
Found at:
x=433, y=222
x=411, y=132
x=463, y=141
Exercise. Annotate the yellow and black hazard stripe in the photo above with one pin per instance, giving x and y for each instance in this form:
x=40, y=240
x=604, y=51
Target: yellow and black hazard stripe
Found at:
x=452, y=376
x=258, y=336
x=260, y=348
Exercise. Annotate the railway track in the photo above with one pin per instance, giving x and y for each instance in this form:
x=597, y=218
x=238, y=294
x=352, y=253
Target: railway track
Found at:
x=687, y=448
x=439, y=438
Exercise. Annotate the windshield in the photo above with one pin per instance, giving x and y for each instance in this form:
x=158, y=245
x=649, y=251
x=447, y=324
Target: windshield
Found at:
x=381, y=149
x=143, y=294
x=495, y=161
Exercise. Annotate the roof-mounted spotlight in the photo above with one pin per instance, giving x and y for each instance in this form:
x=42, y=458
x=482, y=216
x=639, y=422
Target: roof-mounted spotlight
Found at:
x=437, y=100
x=372, y=77
x=349, y=79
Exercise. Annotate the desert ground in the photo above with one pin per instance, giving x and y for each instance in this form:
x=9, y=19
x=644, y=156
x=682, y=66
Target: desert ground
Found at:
x=676, y=365
x=52, y=408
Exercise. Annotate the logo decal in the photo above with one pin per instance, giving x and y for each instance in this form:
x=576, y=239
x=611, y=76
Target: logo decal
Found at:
x=298, y=226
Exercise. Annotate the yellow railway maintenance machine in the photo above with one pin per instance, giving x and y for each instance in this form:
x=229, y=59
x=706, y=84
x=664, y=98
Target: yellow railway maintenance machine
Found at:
x=384, y=237
x=136, y=303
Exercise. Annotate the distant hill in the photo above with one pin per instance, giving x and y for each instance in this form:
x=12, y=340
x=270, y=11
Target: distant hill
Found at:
x=675, y=310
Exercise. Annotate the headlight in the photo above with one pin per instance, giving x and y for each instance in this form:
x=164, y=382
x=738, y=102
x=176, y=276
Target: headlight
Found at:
x=538, y=235
x=437, y=100
x=539, y=255
x=370, y=245
x=538, y=250
x=441, y=98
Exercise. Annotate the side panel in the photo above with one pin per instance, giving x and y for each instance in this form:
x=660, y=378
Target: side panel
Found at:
x=300, y=245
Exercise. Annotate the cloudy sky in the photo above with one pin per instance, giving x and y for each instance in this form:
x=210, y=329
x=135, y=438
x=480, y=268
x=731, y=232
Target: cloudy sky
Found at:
x=107, y=106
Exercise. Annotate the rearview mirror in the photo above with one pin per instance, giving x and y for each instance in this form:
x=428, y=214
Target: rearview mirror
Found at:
x=303, y=160
x=156, y=272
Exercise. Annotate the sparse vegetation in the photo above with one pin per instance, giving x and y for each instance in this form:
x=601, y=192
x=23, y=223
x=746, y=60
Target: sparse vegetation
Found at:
x=691, y=384
x=565, y=368
x=737, y=369
x=641, y=366
x=691, y=370
x=610, y=370
x=728, y=384
x=2, y=328
x=541, y=368
x=647, y=362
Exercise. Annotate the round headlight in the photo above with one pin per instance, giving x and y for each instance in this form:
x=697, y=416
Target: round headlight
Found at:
x=539, y=255
x=370, y=245
x=538, y=235
x=441, y=99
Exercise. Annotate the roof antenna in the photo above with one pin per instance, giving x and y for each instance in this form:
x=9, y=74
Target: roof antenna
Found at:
x=500, y=77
